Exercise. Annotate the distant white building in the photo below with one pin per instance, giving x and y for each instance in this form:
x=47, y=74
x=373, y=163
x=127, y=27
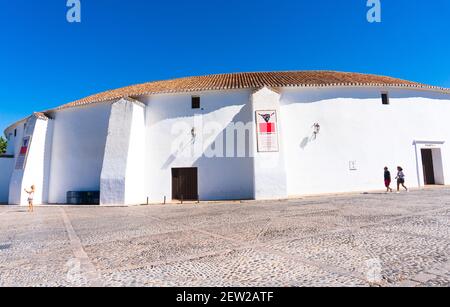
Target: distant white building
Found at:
x=232, y=136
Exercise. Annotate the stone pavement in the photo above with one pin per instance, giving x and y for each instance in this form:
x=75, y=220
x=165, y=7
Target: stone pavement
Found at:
x=352, y=240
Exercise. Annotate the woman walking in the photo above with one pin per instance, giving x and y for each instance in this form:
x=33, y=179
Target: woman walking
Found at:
x=30, y=198
x=400, y=179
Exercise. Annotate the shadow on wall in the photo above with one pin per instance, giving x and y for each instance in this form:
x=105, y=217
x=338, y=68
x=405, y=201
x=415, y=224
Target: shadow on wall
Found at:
x=229, y=177
x=6, y=167
x=222, y=177
x=172, y=158
x=178, y=106
x=47, y=161
x=307, y=140
x=244, y=116
x=312, y=95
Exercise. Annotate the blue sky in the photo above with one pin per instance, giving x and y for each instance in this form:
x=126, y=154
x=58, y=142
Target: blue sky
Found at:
x=45, y=61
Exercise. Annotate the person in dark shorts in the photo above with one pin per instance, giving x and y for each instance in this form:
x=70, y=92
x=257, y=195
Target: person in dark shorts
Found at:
x=387, y=180
x=400, y=179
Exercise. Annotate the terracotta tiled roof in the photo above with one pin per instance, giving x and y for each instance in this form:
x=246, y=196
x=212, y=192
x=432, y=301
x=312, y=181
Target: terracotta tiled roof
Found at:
x=253, y=80
x=41, y=115
x=250, y=80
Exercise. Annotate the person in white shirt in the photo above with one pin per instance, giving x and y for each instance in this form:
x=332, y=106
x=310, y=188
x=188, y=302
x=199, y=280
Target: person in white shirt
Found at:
x=400, y=179
x=30, y=198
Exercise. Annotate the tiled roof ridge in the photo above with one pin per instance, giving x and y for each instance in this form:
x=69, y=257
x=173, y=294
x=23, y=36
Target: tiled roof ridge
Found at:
x=244, y=80
x=250, y=80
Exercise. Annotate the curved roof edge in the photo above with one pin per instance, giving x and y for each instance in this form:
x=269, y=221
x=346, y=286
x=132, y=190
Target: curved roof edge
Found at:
x=251, y=80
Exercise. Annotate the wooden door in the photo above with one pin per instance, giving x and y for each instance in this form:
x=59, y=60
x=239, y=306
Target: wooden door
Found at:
x=428, y=167
x=185, y=184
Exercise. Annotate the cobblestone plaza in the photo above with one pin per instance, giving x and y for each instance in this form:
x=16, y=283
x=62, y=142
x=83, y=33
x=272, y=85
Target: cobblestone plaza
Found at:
x=374, y=239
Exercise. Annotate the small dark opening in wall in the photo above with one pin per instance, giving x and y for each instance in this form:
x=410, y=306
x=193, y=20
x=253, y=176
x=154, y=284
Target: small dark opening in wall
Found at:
x=385, y=98
x=195, y=102
x=15, y=132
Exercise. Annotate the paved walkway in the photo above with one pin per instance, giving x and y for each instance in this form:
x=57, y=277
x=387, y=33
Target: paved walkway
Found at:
x=351, y=240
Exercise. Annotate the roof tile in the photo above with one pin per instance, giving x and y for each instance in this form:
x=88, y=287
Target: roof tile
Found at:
x=249, y=80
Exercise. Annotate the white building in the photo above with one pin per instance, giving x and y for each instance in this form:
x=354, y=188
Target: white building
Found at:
x=232, y=136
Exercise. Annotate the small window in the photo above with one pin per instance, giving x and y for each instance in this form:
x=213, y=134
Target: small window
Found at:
x=15, y=132
x=195, y=102
x=385, y=98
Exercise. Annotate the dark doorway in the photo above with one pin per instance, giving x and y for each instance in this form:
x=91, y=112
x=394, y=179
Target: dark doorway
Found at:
x=428, y=167
x=185, y=184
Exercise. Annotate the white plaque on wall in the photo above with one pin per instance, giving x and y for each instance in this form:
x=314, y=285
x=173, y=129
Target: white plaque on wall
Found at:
x=267, y=131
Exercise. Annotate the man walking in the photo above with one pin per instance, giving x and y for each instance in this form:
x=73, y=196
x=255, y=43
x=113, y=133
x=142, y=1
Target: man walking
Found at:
x=387, y=180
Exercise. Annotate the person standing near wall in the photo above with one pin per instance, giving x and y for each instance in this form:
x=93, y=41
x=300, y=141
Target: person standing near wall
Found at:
x=400, y=179
x=387, y=180
x=30, y=198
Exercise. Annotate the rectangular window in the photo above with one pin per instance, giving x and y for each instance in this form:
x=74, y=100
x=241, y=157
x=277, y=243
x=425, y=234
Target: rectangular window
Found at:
x=15, y=132
x=385, y=98
x=195, y=102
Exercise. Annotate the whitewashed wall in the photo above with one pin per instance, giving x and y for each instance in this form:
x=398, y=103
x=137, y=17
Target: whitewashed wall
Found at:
x=6, y=168
x=79, y=140
x=14, y=141
x=123, y=172
x=220, y=177
x=355, y=126
x=7, y=164
x=10, y=150
x=270, y=168
x=35, y=171
x=16, y=194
